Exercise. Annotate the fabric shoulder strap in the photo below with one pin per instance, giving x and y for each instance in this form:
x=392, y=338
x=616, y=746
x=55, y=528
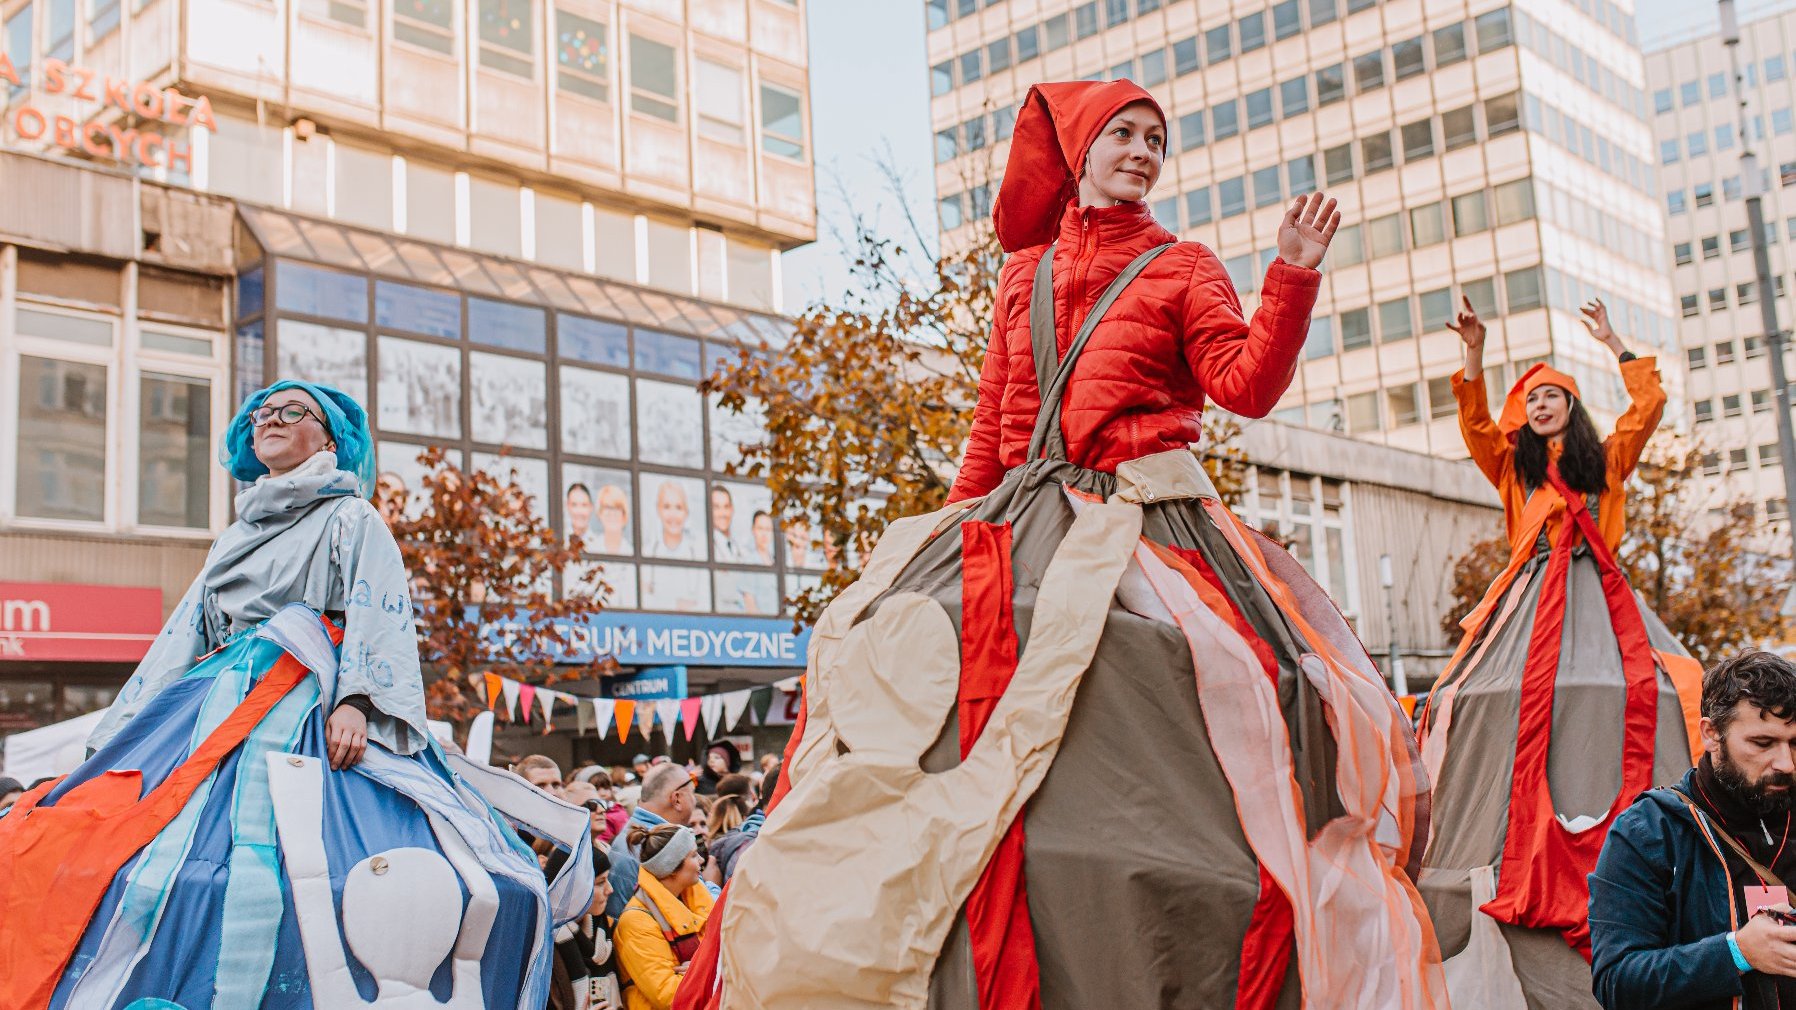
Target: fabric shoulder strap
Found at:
x=1729, y=840
x=1052, y=371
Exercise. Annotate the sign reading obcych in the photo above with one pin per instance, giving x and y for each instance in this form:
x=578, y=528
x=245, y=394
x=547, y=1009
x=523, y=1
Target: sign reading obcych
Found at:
x=146, y=147
x=72, y=622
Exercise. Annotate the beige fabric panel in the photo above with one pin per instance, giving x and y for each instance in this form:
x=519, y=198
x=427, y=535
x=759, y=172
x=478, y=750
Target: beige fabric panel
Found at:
x=848, y=895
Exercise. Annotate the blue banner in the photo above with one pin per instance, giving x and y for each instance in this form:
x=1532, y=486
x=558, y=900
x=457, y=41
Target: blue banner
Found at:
x=648, y=684
x=636, y=639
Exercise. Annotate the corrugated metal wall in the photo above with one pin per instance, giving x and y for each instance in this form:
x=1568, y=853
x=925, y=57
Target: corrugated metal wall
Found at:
x=110, y=561
x=1424, y=536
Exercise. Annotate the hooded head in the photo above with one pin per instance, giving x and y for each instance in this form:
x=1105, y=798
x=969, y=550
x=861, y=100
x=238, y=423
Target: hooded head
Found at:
x=1054, y=130
x=1515, y=407
x=344, y=420
x=732, y=759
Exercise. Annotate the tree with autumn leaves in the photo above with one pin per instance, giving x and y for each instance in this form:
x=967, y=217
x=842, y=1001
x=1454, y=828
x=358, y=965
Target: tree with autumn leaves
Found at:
x=1715, y=574
x=481, y=558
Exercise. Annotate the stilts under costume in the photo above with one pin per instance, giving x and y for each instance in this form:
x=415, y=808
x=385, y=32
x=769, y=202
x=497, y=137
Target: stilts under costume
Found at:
x=1086, y=739
x=1565, y=700
x=205, y=854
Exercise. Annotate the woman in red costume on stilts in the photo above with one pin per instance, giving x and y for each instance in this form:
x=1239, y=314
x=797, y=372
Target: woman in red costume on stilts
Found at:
x=1147, y=718
x=1563, y=701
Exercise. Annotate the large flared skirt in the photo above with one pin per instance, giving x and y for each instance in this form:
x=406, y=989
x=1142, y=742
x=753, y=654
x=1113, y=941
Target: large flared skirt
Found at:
x=1472, y=789
x=208, y=913
x=1141, y=882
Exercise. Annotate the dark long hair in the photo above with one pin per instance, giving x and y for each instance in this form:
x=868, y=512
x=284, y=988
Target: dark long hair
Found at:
x=1582, y=463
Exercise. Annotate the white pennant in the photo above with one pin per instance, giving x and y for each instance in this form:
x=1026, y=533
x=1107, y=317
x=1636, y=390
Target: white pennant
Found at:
x=645, y=720
x=713, y=714
x=604, y=712
x=509, y=688
x=734, y=704
x=668, y=711
x=548, y=699
x=789, y=685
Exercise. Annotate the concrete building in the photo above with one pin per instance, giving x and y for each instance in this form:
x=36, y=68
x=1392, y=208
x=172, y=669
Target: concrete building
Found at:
x=1498, y=151
x=1695, y=119
x=502, y=223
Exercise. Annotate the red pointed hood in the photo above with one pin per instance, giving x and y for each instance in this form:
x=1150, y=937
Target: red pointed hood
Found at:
x=1055, y=127
x=1515, y=407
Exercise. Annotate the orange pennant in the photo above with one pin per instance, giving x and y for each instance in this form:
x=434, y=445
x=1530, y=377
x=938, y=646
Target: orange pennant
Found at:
x=492, y=690
x=625, y=709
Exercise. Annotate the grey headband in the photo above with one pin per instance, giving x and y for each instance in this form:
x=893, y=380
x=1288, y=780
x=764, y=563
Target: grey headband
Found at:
x=684, y=844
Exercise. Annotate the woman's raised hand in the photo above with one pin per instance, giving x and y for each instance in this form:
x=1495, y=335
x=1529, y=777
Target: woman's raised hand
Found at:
x=1469, y=327
x=1309, y=226
x=1595, y=317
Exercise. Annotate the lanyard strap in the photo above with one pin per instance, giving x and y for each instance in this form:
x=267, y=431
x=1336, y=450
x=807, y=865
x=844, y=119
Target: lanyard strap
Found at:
x=1727, y=839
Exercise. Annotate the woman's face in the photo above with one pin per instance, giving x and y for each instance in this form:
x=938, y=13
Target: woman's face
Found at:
x=1124, y=162
x=579, y=512
x=614, y=515
x=282, y=447
x=601, y=893
x=670, y=505
x=1549, y=410
x=699, y=821
x=717, y=763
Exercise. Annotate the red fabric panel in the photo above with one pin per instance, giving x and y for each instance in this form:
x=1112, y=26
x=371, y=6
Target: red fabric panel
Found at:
x=56, y=863
x=1543, y=880
x=1002, y=937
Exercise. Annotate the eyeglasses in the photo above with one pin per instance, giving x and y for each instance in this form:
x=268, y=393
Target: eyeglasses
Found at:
x=286, y=413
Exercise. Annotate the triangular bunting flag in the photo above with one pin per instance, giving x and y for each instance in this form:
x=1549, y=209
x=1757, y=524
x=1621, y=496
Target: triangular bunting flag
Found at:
x=582, y=716
x=645, y=720
x=668, y=711
x=788, y=685
x=492, y=690
x=712, y=709
x=689, y=714
x=761, y=700
x=510, y=688
x=734, y=704
x=625, y=710
x=548, y=699
x=603, y=712
x=526, y=700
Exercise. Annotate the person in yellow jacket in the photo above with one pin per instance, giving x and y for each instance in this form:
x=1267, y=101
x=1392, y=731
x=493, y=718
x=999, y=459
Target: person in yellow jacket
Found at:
x=658, y=932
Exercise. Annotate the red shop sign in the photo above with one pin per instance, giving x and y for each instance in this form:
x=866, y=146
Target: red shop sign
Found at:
x=74, y=622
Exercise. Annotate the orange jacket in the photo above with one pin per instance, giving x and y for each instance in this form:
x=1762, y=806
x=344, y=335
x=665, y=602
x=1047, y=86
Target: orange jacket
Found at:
x=1495, y=455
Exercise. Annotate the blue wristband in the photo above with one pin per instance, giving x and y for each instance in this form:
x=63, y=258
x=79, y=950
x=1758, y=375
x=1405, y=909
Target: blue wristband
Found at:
x=1740, y=962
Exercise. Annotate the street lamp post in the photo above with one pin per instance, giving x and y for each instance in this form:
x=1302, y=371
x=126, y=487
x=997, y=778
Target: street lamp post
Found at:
x=1752, y=186
x=1399, y=682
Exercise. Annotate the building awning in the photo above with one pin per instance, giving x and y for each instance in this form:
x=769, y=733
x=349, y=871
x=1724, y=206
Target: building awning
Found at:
x=331, y=244
x=71, y=622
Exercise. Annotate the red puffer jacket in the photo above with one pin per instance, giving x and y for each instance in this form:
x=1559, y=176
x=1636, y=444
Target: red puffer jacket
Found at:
x=1172, y=339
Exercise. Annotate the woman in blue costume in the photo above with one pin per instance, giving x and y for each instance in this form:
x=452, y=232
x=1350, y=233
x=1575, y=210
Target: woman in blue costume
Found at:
x=267, y=770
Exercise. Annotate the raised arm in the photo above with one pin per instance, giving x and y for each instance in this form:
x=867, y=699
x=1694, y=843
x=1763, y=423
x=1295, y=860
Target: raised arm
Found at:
x=1646, y=396
x=1490, y=450
x=1244, y=367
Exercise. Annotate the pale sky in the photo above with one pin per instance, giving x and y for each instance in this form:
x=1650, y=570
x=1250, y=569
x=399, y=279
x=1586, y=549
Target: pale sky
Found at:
x=870, y=100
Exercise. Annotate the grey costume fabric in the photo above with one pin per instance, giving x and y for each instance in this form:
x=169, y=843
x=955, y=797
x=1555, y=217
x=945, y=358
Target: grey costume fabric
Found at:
x=305, y=537
x=1140, y=881
x=1471, y=795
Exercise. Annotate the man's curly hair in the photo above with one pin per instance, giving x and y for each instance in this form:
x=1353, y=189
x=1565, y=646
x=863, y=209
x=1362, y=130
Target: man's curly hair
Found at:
x=1763, y=678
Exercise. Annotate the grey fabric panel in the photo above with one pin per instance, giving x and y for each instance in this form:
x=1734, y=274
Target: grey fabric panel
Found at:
x=1553, y=976
x=1471, y=800
x=1140, y=881
x=1043, y=343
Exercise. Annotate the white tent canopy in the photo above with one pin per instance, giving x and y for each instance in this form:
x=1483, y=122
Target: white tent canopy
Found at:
x=49, y=750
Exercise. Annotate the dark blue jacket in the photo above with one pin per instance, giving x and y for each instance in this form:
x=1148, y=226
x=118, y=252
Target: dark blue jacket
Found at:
x=1659, y=912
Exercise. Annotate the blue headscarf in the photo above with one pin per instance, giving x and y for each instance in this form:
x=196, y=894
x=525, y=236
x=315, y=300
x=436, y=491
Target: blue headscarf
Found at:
x=344, y=419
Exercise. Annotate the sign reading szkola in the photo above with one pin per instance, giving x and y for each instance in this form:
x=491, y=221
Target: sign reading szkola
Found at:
x=147, y=147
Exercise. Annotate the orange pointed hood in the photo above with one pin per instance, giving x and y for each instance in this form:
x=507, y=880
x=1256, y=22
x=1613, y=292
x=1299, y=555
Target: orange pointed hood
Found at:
x=1515, y=407
x=1055, y=127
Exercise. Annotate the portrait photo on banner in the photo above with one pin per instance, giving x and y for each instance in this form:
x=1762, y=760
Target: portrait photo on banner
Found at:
x=598, y=506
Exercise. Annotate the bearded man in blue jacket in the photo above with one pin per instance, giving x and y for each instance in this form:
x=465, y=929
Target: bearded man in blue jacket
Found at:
x=1676, y=920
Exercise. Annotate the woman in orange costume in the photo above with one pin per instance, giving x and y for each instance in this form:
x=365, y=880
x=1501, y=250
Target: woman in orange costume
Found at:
x=1560, y=672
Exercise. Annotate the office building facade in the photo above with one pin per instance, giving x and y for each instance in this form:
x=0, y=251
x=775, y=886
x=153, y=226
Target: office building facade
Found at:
x=515, y=226
x=1495, y=151
x=1695, y=117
